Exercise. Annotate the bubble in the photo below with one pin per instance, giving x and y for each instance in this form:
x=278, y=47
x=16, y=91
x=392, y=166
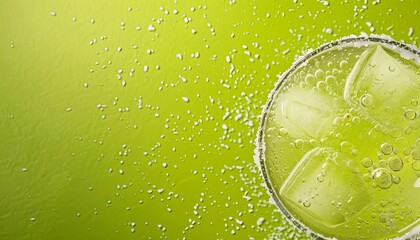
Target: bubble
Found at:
x=353, y=166
x=382, y=178
x=356, y=120
x=313, y=143
x=382, y=217
x=306, y=203
x=283, y=132
x=408, y=131
x=321, y=85
x=367, y=177
x=410, y=114
x=383, y=163
x=367, y=162
x=395, y=133
x=396, y=179
x=416, y=165
x=406, y=151
x=310, y=79
x=346, y=147
x=366, y=100
x=416, y=154
x=343, y=64
x=330, y=79
x=391, y=69
x=299, y=143
x=319, y=74
x=386, y=148
x=320, y=178
x=395, y=163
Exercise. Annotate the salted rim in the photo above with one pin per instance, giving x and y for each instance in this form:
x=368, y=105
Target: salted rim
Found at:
x=407, y=51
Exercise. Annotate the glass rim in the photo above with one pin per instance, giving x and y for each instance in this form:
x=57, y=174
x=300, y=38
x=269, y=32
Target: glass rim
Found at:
x=260, y=144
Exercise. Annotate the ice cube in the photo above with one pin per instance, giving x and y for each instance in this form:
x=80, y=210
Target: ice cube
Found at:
x=304, y=113
x=324, y=189
x=383, y=84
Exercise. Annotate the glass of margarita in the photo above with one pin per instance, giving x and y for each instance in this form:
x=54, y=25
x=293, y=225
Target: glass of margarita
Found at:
x=339, y=141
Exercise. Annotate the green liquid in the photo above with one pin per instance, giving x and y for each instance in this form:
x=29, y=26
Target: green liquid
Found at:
x=342, y=143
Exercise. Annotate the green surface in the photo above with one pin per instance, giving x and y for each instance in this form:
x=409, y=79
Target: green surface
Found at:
x=97, y=143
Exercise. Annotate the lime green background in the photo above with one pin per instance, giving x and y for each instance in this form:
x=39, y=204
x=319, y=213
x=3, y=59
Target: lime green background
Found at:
x=107, y=161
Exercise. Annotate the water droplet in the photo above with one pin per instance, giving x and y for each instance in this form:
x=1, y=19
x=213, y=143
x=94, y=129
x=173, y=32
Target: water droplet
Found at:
x=260, y=221
x=151, y=28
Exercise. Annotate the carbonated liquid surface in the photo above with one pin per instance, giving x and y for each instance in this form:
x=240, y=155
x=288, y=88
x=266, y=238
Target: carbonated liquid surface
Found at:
x=342, y=142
